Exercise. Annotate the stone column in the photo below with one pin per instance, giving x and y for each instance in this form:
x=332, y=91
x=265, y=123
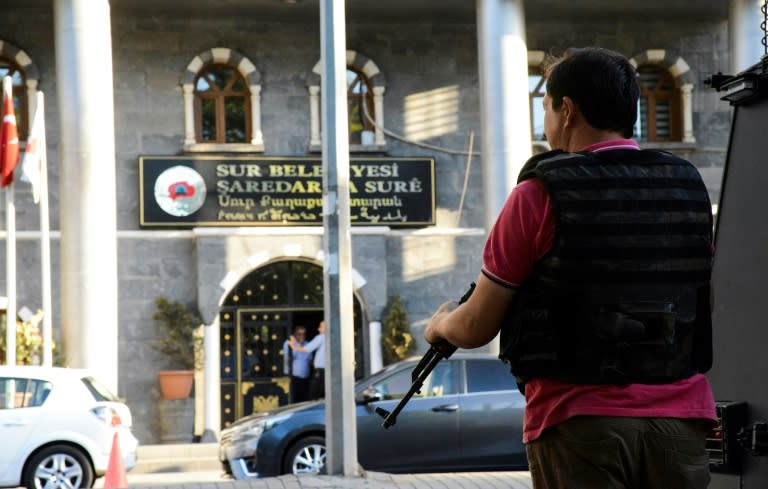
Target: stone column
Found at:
x=212, y=393
x=189, y=114
x=504, y=104
x=314, y=116
x=378, y=108
x=685, y=91
x=256, y=135
x=87, y=185
x=32, y=98
x=744, y=18
x=505, y=113
x=374, y=345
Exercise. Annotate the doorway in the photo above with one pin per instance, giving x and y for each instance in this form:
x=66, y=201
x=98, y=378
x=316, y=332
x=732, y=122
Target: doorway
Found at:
x=256, y=318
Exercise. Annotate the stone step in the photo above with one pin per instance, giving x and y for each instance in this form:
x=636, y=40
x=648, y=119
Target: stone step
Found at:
x=186, y=457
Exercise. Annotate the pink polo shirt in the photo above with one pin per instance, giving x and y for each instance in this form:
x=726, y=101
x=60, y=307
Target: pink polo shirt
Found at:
x=523, y=234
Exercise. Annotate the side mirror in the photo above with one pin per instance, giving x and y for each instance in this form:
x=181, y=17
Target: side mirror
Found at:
x=368, y=396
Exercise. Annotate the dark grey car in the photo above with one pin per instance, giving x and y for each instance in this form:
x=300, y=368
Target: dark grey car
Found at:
x=469, y=416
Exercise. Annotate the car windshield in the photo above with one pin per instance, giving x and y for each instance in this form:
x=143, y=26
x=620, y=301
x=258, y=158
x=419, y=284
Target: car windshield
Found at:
x=100, y=391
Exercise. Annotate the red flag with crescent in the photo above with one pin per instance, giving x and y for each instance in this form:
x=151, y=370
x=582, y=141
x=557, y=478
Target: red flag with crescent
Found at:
x=9, y=136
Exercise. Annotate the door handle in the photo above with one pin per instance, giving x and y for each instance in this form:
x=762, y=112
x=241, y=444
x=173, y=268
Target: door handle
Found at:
x=446, y=408
x=14, y=423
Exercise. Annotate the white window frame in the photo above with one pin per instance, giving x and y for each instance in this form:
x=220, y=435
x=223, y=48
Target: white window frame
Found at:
x=378, y=86
x=684, y=81
x=253, y=78
x=540, y=60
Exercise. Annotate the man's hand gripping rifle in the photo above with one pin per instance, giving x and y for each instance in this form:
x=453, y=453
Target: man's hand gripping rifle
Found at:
x=436, y=352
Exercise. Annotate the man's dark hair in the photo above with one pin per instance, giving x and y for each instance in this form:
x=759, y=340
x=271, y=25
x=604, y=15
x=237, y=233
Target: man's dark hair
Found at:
x=601, y=82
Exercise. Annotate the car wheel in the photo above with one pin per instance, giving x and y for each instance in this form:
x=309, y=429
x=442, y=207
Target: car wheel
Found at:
x=58, y=466
x=306, y=456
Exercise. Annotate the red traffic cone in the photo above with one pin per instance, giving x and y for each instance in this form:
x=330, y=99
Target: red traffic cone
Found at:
x=115, y=478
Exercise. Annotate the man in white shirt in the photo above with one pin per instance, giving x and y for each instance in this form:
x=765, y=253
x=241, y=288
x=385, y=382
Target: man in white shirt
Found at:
x=316, y=345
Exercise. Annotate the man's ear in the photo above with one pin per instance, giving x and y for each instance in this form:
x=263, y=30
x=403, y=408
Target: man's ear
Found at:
x=568, y=111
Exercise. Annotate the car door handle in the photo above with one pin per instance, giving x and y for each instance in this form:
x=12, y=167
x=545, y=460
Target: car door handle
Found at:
x=446, y=408
x=14, y=423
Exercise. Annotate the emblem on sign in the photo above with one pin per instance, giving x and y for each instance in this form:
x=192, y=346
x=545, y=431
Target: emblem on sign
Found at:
x=180, y=191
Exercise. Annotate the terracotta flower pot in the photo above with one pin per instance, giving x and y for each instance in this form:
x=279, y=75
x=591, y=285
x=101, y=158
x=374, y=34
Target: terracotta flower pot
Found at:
x=175, y=384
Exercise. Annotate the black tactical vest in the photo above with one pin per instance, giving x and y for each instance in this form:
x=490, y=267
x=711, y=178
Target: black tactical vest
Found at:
x=623, y=295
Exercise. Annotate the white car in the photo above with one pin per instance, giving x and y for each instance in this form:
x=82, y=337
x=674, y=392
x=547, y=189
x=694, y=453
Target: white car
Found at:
x=57, y=427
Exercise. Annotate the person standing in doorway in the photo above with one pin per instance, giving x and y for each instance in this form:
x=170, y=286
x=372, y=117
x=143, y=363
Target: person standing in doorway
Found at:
x=316, y=346
x=297, y=364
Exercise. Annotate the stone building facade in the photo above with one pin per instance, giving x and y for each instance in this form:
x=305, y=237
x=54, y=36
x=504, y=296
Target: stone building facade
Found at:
x=428, y=57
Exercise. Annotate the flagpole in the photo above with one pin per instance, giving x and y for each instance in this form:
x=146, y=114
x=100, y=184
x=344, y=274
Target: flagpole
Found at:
x=10, y=277
x=10, y=240
x=45, y=240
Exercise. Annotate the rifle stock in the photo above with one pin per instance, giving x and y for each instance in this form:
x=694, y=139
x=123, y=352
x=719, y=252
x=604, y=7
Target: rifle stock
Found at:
x=431, y=358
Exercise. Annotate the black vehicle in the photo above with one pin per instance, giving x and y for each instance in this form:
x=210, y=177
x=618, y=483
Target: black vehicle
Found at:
x=468, y=416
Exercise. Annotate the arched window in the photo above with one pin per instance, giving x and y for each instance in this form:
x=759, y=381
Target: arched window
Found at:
x=659, y=105
x=665, y=111
x=222, y=105
x=20, y=102
x=365, y=90
x=359, y=102
x=17, y=64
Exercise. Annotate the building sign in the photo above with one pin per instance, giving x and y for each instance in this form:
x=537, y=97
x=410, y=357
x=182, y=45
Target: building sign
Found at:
x=182, y=191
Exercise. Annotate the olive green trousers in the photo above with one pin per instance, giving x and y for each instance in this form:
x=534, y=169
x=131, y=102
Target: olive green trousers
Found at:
x=600, y=452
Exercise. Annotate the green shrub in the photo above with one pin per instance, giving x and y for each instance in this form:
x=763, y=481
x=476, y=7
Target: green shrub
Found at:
x=178, y=338
x=396, y=340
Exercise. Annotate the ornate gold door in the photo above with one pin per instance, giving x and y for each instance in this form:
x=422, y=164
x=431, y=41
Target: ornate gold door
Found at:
x=262, y=383
x=255, y=320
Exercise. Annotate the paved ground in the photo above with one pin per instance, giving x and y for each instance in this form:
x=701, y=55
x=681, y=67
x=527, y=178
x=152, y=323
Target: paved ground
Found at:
x=196, y=466
x=369, y=480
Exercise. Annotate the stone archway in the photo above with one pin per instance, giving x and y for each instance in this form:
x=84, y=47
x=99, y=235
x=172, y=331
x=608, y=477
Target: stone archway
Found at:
x=255, y=319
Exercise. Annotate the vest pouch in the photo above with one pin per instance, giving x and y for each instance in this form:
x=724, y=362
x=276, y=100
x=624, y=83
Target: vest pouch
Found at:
x=611, y=326
x=629, y=322
x=651, y=363
x=639, y=341
x=527, y=316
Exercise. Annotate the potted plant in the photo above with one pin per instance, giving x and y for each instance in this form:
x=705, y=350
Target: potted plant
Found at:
x=180, y=343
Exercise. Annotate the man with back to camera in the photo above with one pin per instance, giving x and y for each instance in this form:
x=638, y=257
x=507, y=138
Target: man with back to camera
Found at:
x=597, y=274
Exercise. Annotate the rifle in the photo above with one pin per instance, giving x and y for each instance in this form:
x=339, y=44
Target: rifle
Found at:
x=428, y=362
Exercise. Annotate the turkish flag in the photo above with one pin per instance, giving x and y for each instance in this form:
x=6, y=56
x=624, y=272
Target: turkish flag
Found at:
x=9, y=136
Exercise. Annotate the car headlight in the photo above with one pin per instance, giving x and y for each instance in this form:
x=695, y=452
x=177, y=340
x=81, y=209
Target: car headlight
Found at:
x=255, y=430
x=244, y=443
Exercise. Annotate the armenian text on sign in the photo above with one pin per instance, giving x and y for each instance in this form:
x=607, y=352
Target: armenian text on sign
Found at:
x=280, y=191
